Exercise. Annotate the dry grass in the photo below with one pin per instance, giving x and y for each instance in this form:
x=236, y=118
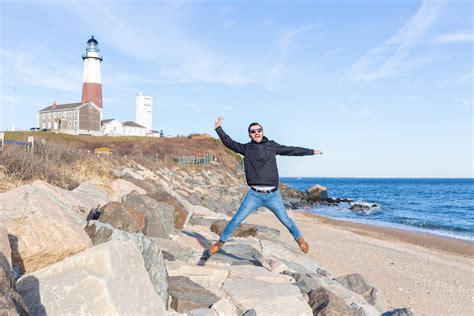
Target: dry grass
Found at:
x=67, y=160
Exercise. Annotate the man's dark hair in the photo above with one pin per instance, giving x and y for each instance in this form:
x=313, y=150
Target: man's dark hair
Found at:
x=254, y=124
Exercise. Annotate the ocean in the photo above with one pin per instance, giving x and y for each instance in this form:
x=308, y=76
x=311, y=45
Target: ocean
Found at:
x=438, y=206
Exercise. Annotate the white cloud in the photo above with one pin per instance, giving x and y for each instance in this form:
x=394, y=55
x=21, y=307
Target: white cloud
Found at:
x=291, y=35
x=457, y=37
x=394, y=56
x=32, y=68
x=466, y=103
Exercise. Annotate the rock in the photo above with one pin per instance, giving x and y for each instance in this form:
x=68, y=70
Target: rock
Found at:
x=290, y=256
x=250, y=312
x=11, y=302
x=187, y=295
x=399, y=312
x=362, y=208
x=93, y=190
x=246, y=230
x=209, y=276
x=96, y=281
x=127, y=172
x=198, y=220
x=5, y=245
x=151, y=253
x=356, y=283
x=317, y=192
x=202, y=312
x=307, y=282
x=237, y=272
x=159, y=215
x=325, y=303
x=238, y=254
x=41, y=231
x=123, y=217
x=173, y=251
x=267, y=298
x=180, y=211
x=121, y=187
x=224, y=307
x=150, y=186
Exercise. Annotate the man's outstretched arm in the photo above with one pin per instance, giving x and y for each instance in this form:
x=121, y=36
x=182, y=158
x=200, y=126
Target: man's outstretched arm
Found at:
x=226, y=140
x=296, y=151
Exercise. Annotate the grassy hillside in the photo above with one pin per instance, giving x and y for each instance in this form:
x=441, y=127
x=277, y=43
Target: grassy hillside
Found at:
x=66, y=160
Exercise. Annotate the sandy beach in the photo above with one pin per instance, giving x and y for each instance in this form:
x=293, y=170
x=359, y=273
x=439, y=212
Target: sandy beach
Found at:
x=432, y=274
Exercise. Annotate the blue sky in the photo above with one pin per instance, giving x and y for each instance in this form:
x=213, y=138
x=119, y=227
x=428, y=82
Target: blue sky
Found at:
x=385, y=88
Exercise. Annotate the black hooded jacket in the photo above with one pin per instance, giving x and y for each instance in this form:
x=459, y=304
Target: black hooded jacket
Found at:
x=260, y=158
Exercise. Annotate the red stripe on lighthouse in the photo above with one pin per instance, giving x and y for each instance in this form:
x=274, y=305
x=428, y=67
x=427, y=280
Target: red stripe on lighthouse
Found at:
x=92, y=92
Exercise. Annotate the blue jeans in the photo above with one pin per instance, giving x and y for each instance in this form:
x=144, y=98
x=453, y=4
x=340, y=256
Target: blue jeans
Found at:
x=254, y=200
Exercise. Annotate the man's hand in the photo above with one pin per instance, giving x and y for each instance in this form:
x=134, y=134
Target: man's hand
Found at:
x=218, y=122
x=318, y=152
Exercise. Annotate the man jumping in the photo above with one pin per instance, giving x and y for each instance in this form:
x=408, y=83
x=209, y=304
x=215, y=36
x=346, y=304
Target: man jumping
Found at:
x=262, y=177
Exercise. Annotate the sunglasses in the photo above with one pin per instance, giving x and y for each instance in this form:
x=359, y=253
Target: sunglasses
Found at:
x=257, y=130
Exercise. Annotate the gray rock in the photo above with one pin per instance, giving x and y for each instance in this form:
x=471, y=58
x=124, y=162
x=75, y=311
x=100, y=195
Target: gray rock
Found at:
x=180, y=213
x=399, y=312
x=238, y=254
x=151, y=253
x=325, y=303
x=11, y=302
x=307, y=282
x=356, y=283
x=107, y=279
x=246, y=230
x=317, y=192
x=173, y=251
x=123, y=217
x=198, y=220
x=148, y=185
x=187, y=295
x=250, y=312
x=159, y=215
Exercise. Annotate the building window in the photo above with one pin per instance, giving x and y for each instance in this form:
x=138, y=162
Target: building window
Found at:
x=69, y=123
x=75, y=123
x=60, y=114
x=49, y=115
x=54, y=114
x=75, y=113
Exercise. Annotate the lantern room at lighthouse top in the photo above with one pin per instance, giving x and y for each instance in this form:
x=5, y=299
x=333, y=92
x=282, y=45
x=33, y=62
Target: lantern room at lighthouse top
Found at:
x=92, y=49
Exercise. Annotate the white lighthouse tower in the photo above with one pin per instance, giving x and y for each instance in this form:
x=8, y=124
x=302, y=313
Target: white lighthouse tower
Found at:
x=143, y=112
x=92, y=84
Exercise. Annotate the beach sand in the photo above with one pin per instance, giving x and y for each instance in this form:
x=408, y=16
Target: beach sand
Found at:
x=432, y=274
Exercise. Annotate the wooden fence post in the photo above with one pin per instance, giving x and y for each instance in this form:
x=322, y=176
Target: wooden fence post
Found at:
x=31, y=144
x=2, y=139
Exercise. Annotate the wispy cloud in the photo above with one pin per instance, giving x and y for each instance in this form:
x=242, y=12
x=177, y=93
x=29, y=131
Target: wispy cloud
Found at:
x=32, y=68
x=290, y=36
x=466, y=103
x=456, y=37
x=395, y=56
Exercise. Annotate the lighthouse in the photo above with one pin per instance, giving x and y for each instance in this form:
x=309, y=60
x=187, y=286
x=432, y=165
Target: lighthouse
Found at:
x=92, y=84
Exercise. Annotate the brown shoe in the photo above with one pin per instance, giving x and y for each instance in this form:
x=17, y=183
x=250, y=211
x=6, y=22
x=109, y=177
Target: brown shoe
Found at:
x=303, y=244
x=215, y=247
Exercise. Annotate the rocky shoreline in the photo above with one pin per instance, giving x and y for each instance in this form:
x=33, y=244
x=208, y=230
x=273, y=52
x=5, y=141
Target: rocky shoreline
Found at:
x=137, y=246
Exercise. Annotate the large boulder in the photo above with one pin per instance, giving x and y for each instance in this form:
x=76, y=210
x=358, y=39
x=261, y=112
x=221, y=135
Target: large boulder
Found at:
x=174, y=251
x=238, y=254
x=160, y=215
x=41, y=230
x=123, y=217
x=5, y=244
x=356, y=283
x=267, y=298
x=245, y=230
x=151, y=252
x=107, y=279
x=316, y=193
x=180, y=211
x=209, y=276
x=324, y=303
x=187, y=295
x=11, y=302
